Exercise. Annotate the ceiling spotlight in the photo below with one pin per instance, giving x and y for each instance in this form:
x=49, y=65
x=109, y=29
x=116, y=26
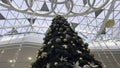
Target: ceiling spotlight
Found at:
x=29, y=58
x=10, y=61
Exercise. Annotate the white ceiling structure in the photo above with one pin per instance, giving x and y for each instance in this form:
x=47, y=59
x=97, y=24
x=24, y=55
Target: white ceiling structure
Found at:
x=23, y=24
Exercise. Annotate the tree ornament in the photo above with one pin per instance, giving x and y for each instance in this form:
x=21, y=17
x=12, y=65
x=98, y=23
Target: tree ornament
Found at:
x=80, y=40
x=49, y=43
x=61, y=36
x=39, y=57
x=60, y=29
x=48, y=65
x=54, y=25
x=56, y=28
x=65, y=32
x=44, y=54
x=74, y=37
x=63, y=59
x=71, y=41
x=59, y=32
x=65, y=46
x=83, y=48
x=58, y=40
x=73, y=44
x=86, y=66
x=81, y=58
x=52, y=46
x=49, y=34
x=68, y=36
x=79, y=52
x=44, y=45
x=83, y=45
x=55, y=63
x=64, y=40
x=88, y=49
x=93, y=65
x=76, y=65
x=68, y=29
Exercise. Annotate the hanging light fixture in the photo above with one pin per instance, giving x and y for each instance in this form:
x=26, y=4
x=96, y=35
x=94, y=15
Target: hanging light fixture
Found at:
x=110, y=23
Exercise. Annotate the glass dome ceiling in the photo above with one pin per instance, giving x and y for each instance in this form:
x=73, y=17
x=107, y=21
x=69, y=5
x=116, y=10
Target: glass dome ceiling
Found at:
x=96, y=21
x=87, y=18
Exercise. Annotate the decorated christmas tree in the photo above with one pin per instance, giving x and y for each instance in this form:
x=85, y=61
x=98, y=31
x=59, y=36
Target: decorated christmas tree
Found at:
x=63, y=48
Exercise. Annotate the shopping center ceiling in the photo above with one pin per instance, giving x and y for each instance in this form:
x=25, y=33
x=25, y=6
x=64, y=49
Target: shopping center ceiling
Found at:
x=87, y=17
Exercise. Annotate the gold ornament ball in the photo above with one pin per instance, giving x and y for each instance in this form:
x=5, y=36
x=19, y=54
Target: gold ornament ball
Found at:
x=55, y=63
x=64, y=40
x=58, y=40
x=49, y=43
x=56, y=28
x=61, y=36
x=86, y=66
x=81, y=58
x=39, y=57
x=58, y=32
x=83, y=48
x=71, y=41
x=52, y=46
x=65, y=46
x=50, y=34
x=73, y=44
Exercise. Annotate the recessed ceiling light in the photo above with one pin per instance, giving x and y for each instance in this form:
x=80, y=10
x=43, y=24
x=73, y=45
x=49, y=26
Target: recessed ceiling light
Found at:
x=29, y=58
x=10, y=61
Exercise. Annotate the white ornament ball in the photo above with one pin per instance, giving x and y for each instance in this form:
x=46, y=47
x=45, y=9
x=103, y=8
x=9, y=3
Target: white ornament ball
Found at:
x=52, y=46
x=86, y=66
x=65, y=46
x=55, y=63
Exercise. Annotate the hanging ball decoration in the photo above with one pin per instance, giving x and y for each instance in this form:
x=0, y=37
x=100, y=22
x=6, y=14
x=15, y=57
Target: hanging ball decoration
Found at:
x=65, y=46
x=54, y=25
x=64, y=40
x=110, y=23
x=49, y=43
x=80, y=40
x=71, y=41
x=86, y=66
x=81, y=58
x=58, y=40
x=88, y=49
x=52, y=46
x=68, y=36
x=65, y=32
x=61, y=36
x=56, y=28
x=44, y=45
x=49, y=29
x=55, y=63
x=39, y=57
x=83, y=45
x=73, y=44
x=49, y=34
x=60, y=29
x=59, y=32
x=83, y=48
x=68, y=29
x=74, y=37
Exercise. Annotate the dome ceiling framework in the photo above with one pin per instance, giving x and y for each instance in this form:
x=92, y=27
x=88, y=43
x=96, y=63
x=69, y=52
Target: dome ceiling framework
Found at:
x=89, y=16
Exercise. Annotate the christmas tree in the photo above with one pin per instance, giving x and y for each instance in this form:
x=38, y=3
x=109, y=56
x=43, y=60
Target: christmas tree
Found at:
x=63, y=48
